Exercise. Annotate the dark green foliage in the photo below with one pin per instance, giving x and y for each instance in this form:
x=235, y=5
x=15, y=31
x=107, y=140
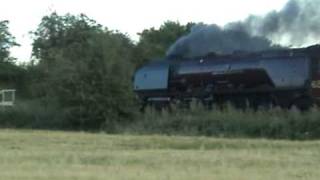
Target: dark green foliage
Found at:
x=33, y=115
x=11, y=75
x=86, y=69
x=273, y=123
x=154, y=43
x=6, y=42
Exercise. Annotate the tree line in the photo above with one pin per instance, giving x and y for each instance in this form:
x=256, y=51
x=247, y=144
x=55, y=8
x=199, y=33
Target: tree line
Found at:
x=82, y=69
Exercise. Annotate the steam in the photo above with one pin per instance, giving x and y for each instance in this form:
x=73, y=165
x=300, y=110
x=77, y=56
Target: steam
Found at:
x=205, y=39
x=296, y=25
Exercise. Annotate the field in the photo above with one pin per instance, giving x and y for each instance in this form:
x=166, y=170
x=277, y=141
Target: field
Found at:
x=66, y=155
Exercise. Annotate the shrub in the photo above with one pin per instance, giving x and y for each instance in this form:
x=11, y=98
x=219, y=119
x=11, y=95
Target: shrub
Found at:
x=34, y=115
x=230, y=122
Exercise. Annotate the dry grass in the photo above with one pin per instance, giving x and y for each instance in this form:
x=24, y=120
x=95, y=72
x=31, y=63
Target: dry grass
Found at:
x=59, y=155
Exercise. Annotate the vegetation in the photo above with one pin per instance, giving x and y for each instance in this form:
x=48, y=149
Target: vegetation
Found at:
x=86, y=70
x=154, y=43
x=6, y=42
x=273, y=123
x=10, y=74
x=60, y=155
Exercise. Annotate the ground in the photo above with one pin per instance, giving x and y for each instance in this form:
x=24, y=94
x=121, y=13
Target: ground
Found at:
x=65, y=155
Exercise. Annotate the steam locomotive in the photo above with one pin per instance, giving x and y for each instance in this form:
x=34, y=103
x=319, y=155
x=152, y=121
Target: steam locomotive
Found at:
x=286, y=78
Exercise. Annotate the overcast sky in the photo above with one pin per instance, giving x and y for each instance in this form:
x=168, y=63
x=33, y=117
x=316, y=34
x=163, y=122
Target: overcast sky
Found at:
x=128, y=16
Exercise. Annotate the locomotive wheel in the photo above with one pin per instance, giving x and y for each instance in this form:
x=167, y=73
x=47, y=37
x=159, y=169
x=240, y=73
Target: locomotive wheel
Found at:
x=303, y=103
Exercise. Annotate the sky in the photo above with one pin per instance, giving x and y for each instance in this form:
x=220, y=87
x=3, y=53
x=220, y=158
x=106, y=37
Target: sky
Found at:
x=127, y=16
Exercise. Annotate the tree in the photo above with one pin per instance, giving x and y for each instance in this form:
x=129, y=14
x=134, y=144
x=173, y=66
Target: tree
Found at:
x=154, y=43
x=85, y=68
x=11, y=75
x=6, y=42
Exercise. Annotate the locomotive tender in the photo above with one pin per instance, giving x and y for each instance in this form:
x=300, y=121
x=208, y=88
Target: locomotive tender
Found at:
x=278, y=77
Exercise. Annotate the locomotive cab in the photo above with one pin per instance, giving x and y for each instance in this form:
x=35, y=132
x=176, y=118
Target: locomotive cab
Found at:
x=152, y=80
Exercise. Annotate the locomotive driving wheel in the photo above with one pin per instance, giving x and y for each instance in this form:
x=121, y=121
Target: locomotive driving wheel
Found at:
x=303, y=103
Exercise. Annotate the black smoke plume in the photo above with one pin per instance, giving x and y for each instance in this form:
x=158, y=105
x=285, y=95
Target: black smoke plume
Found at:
x=296, y=25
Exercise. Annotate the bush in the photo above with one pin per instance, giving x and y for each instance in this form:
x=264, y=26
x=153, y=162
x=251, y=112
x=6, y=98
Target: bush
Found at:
x=231, y=122
x=33, y=115
x=273, y=123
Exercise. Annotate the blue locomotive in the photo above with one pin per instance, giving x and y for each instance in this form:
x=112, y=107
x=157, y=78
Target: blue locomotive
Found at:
x=286, y=77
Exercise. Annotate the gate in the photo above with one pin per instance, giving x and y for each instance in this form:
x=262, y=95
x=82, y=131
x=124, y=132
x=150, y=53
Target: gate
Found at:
x=7, y=97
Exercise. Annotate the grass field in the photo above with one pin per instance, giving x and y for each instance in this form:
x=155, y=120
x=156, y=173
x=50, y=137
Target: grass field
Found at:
x=61, y=155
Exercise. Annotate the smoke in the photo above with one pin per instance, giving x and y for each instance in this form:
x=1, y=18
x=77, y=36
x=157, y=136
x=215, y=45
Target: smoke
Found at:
x=204, y=39
x=296, y=25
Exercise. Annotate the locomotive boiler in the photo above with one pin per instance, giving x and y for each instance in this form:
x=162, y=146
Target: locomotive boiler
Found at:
x=288, y=77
